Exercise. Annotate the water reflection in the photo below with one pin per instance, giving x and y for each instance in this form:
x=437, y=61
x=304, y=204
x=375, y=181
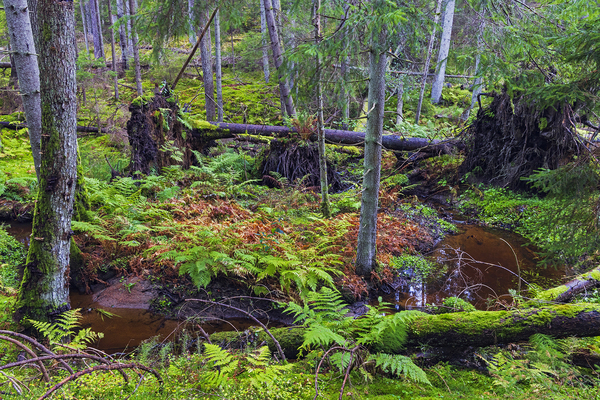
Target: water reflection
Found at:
x=483, y=263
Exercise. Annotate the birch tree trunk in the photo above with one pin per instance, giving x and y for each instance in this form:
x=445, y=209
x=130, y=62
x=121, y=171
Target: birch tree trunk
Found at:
x=428, y=60
x=123, y=36
x=320, y=120
x=263, y=33
x=400, y=105
x=218, y=73
x=136, y=51
x=192, y=29
x=207, y=70
x=438, y=83
x=366, y=251
x=477, y=86
x=112, y=49
x=44, y=291
x=284, y=87
x=26, y=65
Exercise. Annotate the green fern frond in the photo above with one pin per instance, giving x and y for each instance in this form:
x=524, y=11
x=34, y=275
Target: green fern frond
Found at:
x=222, y=362
x=398, y=365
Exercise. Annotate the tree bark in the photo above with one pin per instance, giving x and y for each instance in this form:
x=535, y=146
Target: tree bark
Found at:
x=192, y=29
x=218, y=72
x=85, y=34
x=366, y=250
x=136, y=51
x=44, y=291
x=400, y=105
x=96, y=29
x=427, y=61
x=26, y=63
x=460, y=330
x=335, y=136
x=114, y=55
x=284, y=87
x=123, y=40
x=477, y=86
x=263, y=32
x=207, y=70
x=320, y=120
x=438, y=83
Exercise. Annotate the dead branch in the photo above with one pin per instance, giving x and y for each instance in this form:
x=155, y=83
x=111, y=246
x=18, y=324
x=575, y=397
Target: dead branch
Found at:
x=30, y=352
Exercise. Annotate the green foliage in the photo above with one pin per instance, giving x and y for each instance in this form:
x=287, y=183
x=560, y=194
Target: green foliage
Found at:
x=223, y=363
x=327, y=326
x=19, y=189
x=414, y=263
x=543, y=362
x=12, y=257
x=456, y=304
x=66, y=329
x=399, y=365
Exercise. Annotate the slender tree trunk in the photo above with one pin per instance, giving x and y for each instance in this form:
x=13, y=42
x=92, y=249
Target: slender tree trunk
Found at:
x=44, y=291
x=232, y=54
x=263, y=32
x=26, y=65
x=112, y=49
x=207, y=70
x=320, y=121
x=99, y=22
x=428, y=60
x=400, y=105
x=366, y=251
x=438, y=83
x=96, y=29
x=130, y=51
x=218, y=74
x=192, y=29
x=84, y=24
x=123, y=36
x=136, y=51
x=284, y=87
x=477, y=86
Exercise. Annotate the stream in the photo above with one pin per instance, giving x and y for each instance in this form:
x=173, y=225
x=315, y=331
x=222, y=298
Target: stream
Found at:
x=482, y=263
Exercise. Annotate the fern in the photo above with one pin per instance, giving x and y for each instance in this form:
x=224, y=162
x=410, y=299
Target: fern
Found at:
x=222, y=363
x=66, y=329
x=399, y=365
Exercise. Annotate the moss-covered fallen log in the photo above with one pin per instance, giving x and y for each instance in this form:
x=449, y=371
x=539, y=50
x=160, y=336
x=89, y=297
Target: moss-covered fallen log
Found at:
x=463, y=329
x=213, y=131
x=579, y=284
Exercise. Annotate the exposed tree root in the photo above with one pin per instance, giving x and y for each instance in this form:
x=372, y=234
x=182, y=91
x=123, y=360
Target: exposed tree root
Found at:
x=297, y=162
x=513, y=137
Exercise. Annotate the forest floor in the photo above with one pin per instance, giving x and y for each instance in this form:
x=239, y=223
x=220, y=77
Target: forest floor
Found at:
x=213, y=233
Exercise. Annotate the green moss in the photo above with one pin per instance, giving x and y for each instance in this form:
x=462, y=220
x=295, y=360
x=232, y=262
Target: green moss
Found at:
x=198, y=123
x=595, y=275
x=504, y=323
x=142, y=100
x=552, y=294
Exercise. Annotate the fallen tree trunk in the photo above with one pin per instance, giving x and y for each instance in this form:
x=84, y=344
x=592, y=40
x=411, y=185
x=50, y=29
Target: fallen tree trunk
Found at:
x=13, y=126
x=580, y=284
x=455, y=330
x=335, y=136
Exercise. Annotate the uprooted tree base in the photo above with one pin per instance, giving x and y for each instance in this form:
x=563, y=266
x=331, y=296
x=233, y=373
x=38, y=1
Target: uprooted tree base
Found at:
x=297, y=162
x=513, y=137
x=157, y=136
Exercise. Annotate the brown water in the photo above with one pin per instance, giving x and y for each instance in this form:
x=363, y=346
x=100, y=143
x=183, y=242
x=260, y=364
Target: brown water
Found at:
x=20, y=231
x=483, y=263
x=129, y=327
